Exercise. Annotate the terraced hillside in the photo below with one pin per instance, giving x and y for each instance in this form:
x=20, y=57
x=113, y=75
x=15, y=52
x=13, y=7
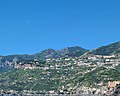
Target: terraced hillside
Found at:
x=65, y=77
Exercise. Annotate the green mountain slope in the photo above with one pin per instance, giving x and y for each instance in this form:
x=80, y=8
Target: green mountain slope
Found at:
x=67, y=78
x=72, y=51
x=107, y=50
x=101, y=74
x=41, y=80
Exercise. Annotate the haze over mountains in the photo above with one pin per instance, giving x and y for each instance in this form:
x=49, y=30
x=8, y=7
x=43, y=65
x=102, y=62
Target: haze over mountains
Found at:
x=74, y=51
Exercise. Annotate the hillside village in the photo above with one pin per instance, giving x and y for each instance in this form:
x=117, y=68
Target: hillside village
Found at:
x=66, y=74
x=91, y=62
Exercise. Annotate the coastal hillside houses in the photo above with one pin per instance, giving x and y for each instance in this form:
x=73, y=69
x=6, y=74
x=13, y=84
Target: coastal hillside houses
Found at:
x=109, y=61
x=24, y=66
x=113, y=84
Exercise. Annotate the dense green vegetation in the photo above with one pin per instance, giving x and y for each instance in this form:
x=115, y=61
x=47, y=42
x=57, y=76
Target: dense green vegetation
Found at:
x=4, y=69
x=101, y=74
x=42, y=80
x=107, y=50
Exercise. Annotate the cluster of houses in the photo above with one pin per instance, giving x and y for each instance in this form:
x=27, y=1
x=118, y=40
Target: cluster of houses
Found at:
x=104, y=90
x=89, y=60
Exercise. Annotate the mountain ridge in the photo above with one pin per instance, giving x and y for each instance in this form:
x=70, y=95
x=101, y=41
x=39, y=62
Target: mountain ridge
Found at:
x=74, y=51
x=48, y=53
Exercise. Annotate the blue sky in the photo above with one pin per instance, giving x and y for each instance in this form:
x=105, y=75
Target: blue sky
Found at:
x=29, y=26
